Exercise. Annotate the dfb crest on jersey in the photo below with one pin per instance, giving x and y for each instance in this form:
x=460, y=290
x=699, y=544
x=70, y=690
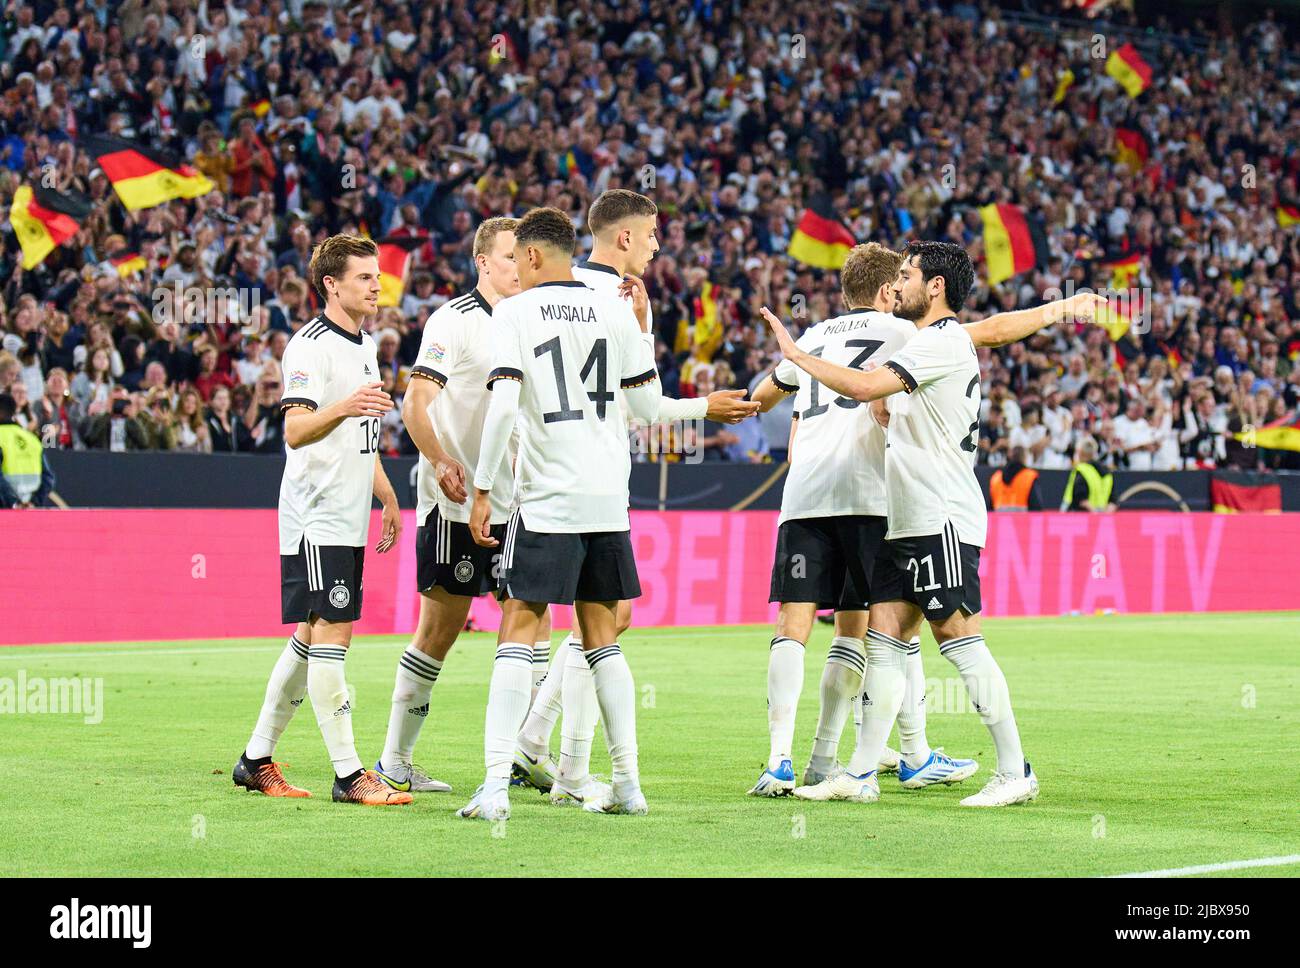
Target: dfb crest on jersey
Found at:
x=340, y=596
x=464, y=570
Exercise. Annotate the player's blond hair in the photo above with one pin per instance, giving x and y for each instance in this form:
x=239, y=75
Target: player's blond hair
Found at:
x=330, y=258
x=868, y=267
x=488, y=231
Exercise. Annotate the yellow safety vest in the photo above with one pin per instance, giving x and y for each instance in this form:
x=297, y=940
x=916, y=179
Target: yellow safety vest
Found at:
x=22, y=459
x=1099, y=486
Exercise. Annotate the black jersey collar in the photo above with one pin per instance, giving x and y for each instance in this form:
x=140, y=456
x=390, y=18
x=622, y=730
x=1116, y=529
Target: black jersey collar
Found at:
x=331, y=325
x=563, y=282
x=482, y=301
x=600, y=267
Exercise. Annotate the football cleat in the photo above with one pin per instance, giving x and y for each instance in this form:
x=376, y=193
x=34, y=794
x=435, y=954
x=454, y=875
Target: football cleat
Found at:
x=575, y=795
x=266, y=778
x=812, y=776
x=633, y=804
x=843, y=786
x=889, y=760
x=939, y=768
x=410, y=779
x=536, y=773
x=1005, y=789
x=370, y=790
x=775, y=783
x=486, y=806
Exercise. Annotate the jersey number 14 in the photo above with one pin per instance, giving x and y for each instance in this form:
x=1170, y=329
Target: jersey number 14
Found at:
x=596, y=360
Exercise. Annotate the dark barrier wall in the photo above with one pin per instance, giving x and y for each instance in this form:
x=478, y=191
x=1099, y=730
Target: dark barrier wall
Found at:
x=101, y=479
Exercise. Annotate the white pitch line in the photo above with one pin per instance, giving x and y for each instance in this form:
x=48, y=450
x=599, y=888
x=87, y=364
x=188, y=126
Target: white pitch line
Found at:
x=1232, y=865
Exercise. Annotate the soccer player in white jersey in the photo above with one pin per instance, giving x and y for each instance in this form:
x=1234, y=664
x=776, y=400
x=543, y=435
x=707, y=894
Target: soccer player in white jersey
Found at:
x=333, y=401
x=929, y=568
x=562, y=353
x=831, y=525
x=443, y=411
x=623, y=225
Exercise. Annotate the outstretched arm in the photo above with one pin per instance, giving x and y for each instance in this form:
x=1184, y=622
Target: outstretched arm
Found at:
x=1004, y=328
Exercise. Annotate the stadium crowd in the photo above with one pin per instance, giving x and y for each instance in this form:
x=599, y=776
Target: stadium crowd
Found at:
x=419, y=121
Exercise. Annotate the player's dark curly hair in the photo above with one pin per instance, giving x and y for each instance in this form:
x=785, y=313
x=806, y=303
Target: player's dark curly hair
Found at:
x=547, y=226
x=947, y=261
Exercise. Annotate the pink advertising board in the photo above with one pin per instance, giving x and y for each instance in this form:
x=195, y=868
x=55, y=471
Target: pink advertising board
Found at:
x=131, y=575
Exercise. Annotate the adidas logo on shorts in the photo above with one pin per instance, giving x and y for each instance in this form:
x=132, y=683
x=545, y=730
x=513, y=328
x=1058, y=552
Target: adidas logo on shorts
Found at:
x=934, y=603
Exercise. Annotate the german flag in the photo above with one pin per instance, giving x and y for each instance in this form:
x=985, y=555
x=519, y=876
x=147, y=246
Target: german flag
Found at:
x=144, y=177
x=1123, y=270
x=1235, y=491
x=821, y=239
x=44, y=218
x=1281, y=434
x=128, y=263
x=1131, y=148
x=1117, y=316
x=1013, y=242
x=1128, y=68
x=1287, y=216
x=708, y=325
x=261, y=108
x=394, y=258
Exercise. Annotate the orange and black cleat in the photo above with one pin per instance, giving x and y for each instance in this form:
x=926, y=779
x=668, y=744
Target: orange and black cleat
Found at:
x=264, y=778
x=370, y=790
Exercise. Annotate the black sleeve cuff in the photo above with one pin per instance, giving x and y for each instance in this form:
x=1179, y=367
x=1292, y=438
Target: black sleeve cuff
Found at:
x=783, y=386
x=505, y=373
x=288, y=402
x=429, y=374
x=909, y=382
x=649, y=376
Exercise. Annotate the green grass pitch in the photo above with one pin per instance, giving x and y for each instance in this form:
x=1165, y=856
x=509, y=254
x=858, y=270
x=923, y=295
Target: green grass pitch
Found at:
x=1156, y=740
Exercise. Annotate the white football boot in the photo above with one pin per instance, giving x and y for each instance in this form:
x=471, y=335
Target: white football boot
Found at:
x=566, y=794
x=775, y=783
x=1005, y=789
x=487, y=806
x=843, y=786
x=939, y=768
x=888, y=761
x=631, y=803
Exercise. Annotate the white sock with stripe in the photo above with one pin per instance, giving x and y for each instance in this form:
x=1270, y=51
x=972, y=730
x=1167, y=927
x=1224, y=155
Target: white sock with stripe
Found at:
x=616, y=695
x=784, y=683
x=541, y=661
x=535, y=737
x=846, y=662
x=284, y=694
x=508, y=697
x=987, y=688
x=412, y=688
x=912, y=744
x=882, y=696
x=328, y=687
x=581, y=710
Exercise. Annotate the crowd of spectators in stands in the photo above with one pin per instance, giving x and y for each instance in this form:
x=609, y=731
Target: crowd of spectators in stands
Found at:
x=421, y=120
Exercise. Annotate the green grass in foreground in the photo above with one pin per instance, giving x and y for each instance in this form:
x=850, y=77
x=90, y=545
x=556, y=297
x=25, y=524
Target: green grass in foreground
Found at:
x=1155, y=739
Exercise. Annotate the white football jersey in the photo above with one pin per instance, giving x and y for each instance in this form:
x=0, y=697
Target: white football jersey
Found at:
x=933, y=437
x=572, y=349
x=838, y=466
x=456, y=353
x=606, y=279
x=327, y=487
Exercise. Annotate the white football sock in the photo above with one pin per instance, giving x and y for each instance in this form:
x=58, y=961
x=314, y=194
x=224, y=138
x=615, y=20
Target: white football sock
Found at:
x=416, y=674
x=535, y=737
x=841, y=684
x=987, y=688
x=508, y=697
x=284, y=693
x=784, y=683
x=328, y=687
x=912, y=744
x=541, y=661
x=616, y=695
x=882, y=696
x=581, y=710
